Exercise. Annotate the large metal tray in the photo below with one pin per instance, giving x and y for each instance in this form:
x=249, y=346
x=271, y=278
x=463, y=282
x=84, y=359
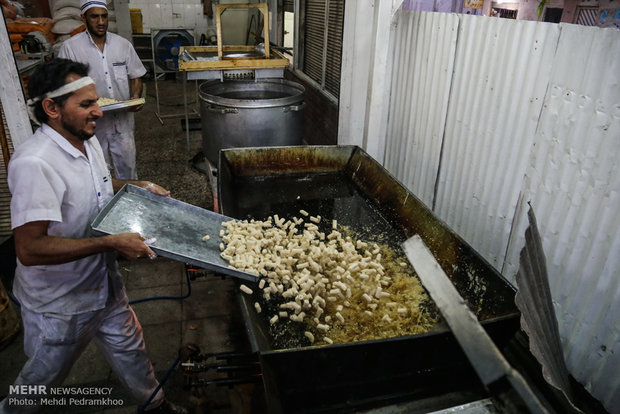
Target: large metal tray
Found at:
x=174, y=229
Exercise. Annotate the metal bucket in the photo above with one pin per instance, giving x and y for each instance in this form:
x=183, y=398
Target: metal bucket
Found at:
x=260, y=113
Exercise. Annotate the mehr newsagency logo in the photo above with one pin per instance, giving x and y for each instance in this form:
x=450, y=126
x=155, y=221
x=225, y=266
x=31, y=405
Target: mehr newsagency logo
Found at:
x=42, y=395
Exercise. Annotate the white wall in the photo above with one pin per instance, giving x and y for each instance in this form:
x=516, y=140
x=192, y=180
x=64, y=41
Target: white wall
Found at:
x=365, y=63
x=479, y=116
x=188, y=14
x=173, y=14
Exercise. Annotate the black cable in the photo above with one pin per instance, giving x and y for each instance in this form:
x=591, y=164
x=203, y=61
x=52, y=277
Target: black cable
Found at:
x=247, y=35
x=176, y=361
x=161, y=383
x=189, y=292
x=10, y=295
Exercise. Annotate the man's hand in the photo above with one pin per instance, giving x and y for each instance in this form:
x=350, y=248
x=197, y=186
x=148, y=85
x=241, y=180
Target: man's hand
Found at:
x=131, y=246
x=155, y=189
x=147, y=185
x=135, y=108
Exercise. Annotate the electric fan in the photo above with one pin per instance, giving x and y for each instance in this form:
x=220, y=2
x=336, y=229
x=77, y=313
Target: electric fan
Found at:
x=166, y=47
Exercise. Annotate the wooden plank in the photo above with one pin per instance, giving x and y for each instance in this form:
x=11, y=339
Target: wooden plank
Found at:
x=265, y=10
x=234, y=64
x=239, y=5
x=221, y=8
x=11, y=92
x=277, y=60
x=218, y=26
x=213, y=49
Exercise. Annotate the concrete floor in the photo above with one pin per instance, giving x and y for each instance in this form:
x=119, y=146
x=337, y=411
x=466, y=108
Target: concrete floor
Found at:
x=209, y=317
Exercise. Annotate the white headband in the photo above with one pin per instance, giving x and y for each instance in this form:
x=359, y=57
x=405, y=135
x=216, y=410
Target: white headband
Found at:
x=63, y=90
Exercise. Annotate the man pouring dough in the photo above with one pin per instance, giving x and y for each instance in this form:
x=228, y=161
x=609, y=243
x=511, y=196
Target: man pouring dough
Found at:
x=117, y=71
x=67, y=282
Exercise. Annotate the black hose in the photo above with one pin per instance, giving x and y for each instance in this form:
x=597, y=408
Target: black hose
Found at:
x=10, y=295
x=161, y=383
x=189, y=292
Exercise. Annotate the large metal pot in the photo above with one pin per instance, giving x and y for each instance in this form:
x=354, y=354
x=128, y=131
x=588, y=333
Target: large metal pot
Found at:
x=235, y=114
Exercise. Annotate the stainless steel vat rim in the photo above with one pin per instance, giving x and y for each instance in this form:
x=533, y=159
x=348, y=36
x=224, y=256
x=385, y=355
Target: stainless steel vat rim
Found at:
x=297, y=93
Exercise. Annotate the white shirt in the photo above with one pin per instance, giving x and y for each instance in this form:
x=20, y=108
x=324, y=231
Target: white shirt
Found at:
x=50, y=180
x=111, y=71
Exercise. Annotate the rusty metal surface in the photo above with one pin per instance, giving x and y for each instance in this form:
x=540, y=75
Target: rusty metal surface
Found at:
x=485, y=290
x=344, y=183
x=251, y=162
x=243, y=171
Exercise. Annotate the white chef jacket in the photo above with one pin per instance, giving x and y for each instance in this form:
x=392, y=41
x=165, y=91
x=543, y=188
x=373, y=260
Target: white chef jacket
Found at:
x=53, y=181
x=111, y=71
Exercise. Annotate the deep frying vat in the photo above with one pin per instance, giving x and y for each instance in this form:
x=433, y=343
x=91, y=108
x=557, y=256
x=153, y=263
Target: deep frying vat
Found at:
x=345, y=183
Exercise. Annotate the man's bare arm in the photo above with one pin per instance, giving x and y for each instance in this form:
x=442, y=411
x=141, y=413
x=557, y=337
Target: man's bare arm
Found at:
x=35, y=247
x=135, y=90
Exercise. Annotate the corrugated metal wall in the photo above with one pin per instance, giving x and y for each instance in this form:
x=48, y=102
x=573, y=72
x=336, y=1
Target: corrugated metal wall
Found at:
x=489, y=114
x=501, y=73
x=573, y=182
x=421, y=80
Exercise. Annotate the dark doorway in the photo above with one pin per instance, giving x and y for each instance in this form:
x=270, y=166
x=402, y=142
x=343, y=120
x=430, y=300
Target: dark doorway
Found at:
x=553, y=15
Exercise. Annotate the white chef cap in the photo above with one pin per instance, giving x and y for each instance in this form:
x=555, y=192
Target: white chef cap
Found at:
x=87, y=4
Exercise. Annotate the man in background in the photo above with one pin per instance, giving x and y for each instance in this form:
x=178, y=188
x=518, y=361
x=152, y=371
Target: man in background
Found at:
x=117, y=71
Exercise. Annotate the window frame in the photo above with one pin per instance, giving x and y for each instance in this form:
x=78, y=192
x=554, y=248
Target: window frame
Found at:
x=299, y=52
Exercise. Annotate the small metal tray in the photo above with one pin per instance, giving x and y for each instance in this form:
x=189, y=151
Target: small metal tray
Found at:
x=173, y=229
x=123, y=104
